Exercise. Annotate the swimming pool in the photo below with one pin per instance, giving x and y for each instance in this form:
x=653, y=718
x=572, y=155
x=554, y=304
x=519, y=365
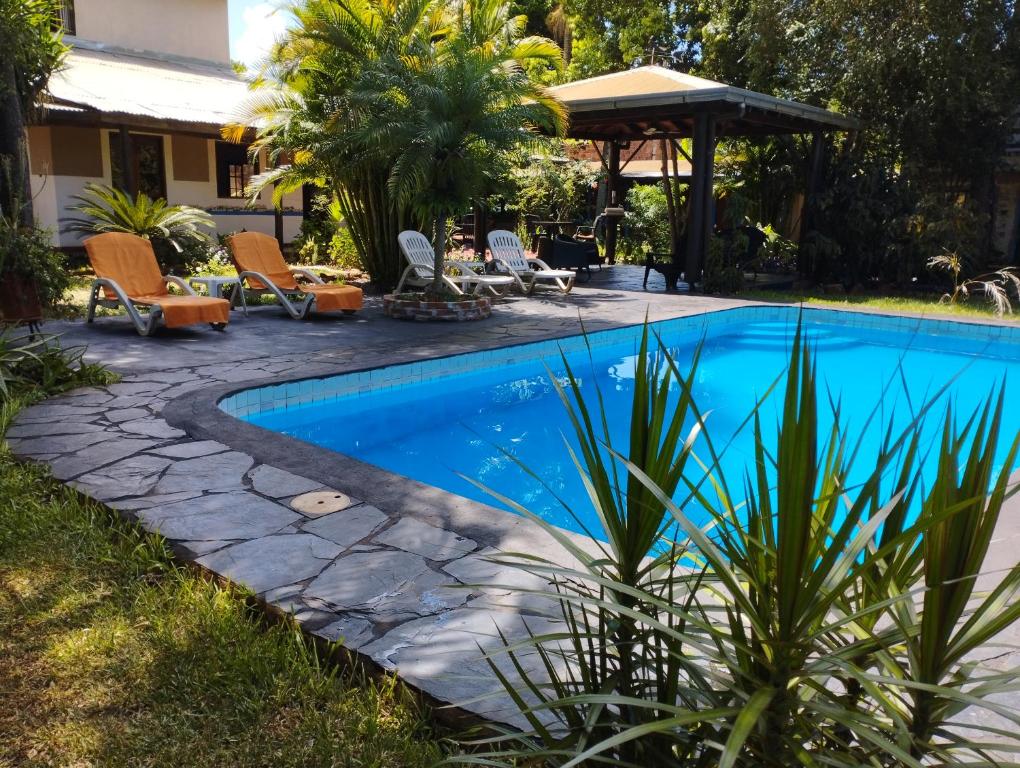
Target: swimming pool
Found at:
x=434, y=420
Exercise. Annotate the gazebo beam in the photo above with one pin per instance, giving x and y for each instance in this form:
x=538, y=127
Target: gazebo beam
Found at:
x=699, y=222
x=613, y=187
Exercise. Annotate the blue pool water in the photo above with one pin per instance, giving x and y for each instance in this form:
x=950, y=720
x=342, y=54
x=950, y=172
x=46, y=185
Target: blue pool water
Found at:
x=432, y=421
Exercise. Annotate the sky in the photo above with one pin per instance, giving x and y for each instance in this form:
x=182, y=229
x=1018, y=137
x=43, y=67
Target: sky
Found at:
x=254, y=24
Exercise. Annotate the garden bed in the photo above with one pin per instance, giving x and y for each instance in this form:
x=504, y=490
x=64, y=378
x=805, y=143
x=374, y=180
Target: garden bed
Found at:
x=415, y=306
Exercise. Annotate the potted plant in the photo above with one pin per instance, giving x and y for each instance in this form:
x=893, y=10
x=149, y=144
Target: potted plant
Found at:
x=32, y=274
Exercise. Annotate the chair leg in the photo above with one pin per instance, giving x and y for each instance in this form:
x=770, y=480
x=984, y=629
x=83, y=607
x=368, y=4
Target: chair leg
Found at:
x=90, y=314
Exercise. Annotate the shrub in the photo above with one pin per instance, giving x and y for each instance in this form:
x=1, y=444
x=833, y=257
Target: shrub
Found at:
x=180, y=234
x=37, y=366
x=26, y=251
x=646, y=226
x=813, y=621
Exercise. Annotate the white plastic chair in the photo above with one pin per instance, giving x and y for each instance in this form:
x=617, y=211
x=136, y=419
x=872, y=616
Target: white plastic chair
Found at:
x=508, y=253
x=419, y=272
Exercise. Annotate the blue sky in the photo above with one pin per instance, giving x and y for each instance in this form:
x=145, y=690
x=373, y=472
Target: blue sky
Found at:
x=253, y=26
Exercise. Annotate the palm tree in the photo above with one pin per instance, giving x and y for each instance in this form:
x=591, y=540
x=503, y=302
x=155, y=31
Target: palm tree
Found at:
x=172, y=229
x=450, y=116
x=360, y=87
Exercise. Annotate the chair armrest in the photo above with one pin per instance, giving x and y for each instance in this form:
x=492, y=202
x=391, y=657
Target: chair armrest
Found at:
x=308, y=275
x=248, y=275
x=536, y=262
x=464, y=269
x=180, y=283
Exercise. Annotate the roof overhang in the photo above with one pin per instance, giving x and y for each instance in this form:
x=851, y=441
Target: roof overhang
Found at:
x=99, y=86
x=654, y=102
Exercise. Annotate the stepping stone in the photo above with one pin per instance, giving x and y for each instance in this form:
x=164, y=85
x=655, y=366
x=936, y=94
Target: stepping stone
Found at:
x=60, y=444
x=196, y=549
x=145, y=502
x=45, y=412
x=321, y=503
x=46, y=428
x=219, y=472
x=97, y=456
x=165, y=377
x=390, y=584
x=349, y=526
x=426, y=540
x=134, y=476
x=279, y=484
x=218, y=516
x=152, y=427
x=126, y=414
x=273, y=561
x=191, y=449
x=353, y=631
x=133, y=388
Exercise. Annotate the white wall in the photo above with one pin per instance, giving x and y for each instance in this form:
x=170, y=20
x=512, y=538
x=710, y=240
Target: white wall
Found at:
x=53, y=198
x=193, y=28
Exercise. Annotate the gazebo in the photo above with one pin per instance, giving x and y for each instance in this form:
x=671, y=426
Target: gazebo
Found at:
x=654, y=103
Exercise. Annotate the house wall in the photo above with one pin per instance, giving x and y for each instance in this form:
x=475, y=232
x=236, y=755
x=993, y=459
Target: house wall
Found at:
x=193, y=28
x=53, y=191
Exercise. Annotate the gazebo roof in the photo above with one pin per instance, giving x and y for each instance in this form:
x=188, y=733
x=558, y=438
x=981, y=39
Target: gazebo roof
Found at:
x=655, y=102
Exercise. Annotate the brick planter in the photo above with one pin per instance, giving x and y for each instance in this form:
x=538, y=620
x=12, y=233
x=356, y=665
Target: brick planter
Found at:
x=403, y=308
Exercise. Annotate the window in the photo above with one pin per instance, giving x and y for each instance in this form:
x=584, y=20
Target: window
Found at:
x=233, y=170
x=148, y=168
x=63, y=18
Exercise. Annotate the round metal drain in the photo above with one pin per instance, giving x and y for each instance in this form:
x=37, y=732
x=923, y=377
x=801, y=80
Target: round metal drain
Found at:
x=320, y=502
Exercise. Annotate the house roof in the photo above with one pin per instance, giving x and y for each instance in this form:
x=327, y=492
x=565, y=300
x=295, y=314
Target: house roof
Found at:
x=112, y=85
x=655, y=101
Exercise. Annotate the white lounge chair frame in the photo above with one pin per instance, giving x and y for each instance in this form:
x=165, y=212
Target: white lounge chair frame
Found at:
x=300, y=309
x=144, y=324
x=508, y=253
x=420, y=259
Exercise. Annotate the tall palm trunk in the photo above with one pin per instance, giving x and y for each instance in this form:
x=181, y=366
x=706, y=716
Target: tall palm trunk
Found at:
x=15, y=183
x=439, y=249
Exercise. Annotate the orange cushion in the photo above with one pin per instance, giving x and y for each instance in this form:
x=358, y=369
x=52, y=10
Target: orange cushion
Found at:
x=256, y=252
x=188, y=310
x=329, y=298
x=129, y=261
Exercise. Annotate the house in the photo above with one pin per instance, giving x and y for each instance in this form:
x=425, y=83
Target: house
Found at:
x=138, y=104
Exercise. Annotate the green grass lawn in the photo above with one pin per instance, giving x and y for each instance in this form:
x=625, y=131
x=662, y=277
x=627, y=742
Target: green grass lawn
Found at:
x=112, y=655
x=974, y=309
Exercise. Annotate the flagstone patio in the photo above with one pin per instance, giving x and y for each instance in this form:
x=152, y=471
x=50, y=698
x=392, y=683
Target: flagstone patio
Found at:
x=398, y=570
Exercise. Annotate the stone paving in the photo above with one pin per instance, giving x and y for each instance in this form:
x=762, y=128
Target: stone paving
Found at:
x=399, y=571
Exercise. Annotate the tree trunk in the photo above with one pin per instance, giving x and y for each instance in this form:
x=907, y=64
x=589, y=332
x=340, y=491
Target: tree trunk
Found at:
x=15, y=182
x=439, y=248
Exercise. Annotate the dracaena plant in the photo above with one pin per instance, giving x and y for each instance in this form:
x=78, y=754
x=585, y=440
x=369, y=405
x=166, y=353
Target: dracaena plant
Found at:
x=826, y=615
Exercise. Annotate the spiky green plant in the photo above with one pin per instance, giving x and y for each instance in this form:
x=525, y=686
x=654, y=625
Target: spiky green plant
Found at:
x=817, y=620
x=172, y=229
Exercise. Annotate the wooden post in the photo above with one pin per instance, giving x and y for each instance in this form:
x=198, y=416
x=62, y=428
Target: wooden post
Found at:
x=480, y=228
x=613, y=188
x=701, y=209
x=127, y=163
x=809, y=212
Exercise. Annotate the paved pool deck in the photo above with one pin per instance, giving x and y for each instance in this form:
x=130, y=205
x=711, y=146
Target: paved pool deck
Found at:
x=399, y=570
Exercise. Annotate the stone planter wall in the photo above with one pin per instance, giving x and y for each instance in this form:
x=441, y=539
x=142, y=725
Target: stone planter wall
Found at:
x=476, y=308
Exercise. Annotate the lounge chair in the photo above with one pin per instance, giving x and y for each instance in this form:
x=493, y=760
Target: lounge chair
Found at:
x=508, y=253
x=259, y=263
x=127, y=274
x=420, y=259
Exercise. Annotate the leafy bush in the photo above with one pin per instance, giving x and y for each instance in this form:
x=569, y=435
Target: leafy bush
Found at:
x=646, y=226
x=553, y=187
x=180, y=234
x=27, y=252
x=994, y=285
x=325, y=238
x=723, y=272
x=814, y=621
x=37, y=366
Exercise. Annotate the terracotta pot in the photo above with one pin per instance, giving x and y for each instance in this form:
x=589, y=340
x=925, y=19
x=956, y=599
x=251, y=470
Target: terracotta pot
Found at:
x=475, y=308
x=19, y=300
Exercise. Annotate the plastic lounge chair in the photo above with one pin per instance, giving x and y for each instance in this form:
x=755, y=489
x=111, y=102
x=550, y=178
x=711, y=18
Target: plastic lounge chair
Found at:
x=420, y=257
x=508, y=253
x=127, y=274
x=259, y=263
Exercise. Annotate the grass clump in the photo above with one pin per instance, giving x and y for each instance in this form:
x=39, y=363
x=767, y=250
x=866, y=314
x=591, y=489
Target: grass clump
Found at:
x=111, y=654
x=894, y=304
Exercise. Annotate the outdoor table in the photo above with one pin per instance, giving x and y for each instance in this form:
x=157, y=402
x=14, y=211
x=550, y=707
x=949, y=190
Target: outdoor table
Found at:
x=214, y=287
x=552, y=226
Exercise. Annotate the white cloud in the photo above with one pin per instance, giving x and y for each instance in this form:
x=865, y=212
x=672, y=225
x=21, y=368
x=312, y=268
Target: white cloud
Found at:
x=262, y=25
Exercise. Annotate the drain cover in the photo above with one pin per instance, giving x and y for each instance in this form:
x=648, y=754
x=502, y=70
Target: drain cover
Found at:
x=320, y=503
